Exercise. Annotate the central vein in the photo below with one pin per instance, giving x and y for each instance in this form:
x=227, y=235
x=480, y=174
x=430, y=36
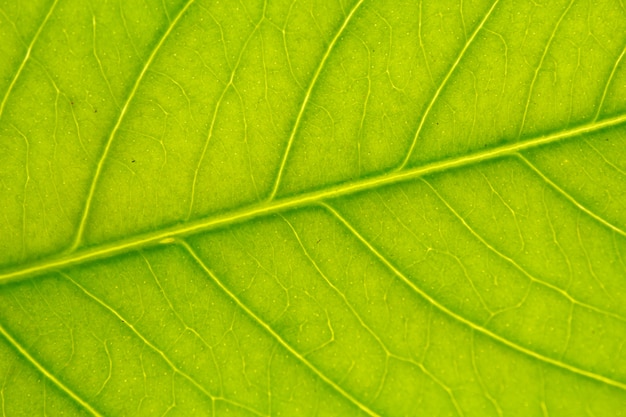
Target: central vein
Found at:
x=166, y=235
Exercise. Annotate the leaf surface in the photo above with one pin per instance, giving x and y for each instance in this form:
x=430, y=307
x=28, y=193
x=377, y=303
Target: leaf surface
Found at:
x=383, y=208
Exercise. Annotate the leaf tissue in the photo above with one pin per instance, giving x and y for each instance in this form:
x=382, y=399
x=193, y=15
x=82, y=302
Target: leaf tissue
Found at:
x=313, y=208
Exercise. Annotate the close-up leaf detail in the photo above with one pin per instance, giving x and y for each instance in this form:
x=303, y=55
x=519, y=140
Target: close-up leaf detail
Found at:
x=313, y=208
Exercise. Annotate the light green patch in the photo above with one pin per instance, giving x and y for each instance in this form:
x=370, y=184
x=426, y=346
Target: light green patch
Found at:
x=313, y=208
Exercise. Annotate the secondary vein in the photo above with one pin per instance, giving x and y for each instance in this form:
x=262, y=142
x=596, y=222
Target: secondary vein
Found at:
x=94, y=182
x=480, y=329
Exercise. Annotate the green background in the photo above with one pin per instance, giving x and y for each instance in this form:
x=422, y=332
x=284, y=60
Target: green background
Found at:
x=313, y=208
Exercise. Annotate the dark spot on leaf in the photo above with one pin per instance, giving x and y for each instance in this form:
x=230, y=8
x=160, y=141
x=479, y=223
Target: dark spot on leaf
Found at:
x=133, y=161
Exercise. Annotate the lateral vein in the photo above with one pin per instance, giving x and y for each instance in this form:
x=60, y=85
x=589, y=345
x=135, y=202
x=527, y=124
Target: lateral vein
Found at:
x=306, y=99
x=480, y=329
x=94, y=182
x=275, y=335
x=26, y=57
x=35, y=363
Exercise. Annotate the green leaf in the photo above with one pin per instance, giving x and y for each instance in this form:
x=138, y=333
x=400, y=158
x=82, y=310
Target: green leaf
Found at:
x=307, y=208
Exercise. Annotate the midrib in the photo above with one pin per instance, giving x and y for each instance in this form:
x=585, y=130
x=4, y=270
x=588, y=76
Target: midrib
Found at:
x=167, y=235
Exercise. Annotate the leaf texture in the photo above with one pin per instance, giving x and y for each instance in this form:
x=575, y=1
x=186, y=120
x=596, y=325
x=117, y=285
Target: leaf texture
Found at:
x=260, y=208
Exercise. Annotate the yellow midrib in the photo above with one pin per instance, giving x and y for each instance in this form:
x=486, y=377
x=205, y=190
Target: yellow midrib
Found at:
x=165, y=235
